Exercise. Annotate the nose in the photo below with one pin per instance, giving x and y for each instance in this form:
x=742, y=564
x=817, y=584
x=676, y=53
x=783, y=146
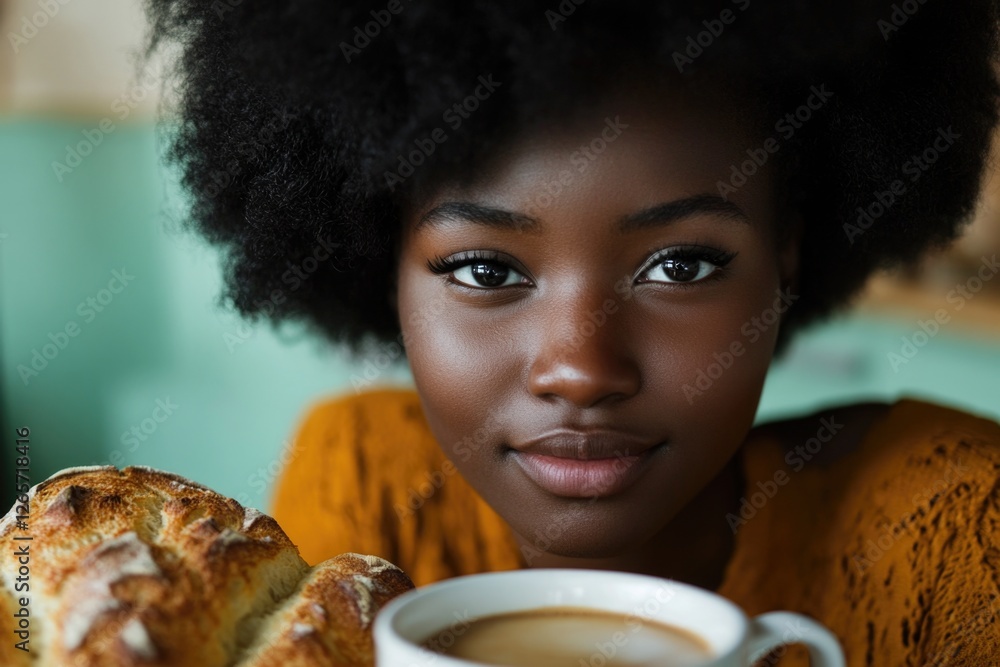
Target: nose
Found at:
x=583, y=356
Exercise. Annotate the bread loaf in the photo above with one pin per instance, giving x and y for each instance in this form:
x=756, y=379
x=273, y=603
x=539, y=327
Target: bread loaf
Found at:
x=142, y=567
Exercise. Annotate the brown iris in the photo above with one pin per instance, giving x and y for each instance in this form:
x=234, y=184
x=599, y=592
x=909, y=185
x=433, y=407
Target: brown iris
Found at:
x=681, y=270
x=489, y=275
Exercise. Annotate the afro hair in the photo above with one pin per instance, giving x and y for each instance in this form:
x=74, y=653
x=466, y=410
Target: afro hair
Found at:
x=292, y=117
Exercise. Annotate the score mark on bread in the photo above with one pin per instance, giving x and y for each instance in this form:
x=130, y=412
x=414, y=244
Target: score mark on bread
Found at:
x=143, y=567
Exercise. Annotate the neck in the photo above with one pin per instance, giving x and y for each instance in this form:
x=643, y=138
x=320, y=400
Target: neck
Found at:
x=706, y=538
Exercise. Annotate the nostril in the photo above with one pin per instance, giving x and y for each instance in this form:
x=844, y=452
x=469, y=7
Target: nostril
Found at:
x=585, y=379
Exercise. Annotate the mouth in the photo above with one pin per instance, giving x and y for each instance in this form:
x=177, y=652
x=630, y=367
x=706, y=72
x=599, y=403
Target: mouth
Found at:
x=572, y=464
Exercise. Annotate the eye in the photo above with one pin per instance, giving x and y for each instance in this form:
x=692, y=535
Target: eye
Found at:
x=686, y=264
x=487, y=274
x=479, y=271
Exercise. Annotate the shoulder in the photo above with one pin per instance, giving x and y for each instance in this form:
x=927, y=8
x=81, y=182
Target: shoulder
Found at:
x=933, y=436
x=395, y=405
x=823, y=436
x=923, y=500
x=907, y=429
x=367, y=420
x=369, y=440
x=367, y=475
x=893, y=535
x=346, y=482
x=382, y=431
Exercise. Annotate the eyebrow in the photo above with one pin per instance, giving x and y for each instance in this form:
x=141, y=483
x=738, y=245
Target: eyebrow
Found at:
x=689, y=207
x=654, y=216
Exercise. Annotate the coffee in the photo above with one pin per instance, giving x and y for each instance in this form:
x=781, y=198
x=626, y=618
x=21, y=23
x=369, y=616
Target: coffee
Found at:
x=570, y=637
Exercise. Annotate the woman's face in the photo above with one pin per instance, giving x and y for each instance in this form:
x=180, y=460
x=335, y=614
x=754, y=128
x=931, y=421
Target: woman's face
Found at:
x=589, y=323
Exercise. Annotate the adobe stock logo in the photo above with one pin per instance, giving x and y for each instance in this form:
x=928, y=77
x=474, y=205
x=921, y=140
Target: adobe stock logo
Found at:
x=362, y=38
x=37, y=21
x=454, y=116
x=696, y=44
x=914, y=168
x=580, y=160
x=796, y=460
x=122, y=107
x=565, y=9
x=88, y=309
x=753, y=330
x=957, y=297
x=901, y=13
x=786, y=127
x=163, y=409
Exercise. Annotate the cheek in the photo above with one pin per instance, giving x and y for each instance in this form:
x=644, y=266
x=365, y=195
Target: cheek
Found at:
x=719, y=388
x=451, y=363
x=733, y=349
x=445, y=353
x=709, y=363
x=461, y=399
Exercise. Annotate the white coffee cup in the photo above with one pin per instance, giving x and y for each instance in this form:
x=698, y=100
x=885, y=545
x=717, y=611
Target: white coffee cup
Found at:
x=448, y=607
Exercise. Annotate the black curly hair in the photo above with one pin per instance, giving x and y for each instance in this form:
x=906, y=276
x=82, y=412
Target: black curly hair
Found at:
x=294, y=117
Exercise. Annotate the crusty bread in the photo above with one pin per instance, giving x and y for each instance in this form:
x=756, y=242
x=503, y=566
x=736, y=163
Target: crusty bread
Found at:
x=142, y=567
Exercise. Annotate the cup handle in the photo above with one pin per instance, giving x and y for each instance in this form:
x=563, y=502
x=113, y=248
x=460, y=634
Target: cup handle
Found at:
x=776, y=628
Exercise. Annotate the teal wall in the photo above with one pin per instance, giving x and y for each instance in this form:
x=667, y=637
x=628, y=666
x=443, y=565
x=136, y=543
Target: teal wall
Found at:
x=164, y=338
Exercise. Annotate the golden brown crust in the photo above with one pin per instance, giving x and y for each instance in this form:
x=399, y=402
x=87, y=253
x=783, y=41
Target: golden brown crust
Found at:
x=328, y=621
x=142, y=567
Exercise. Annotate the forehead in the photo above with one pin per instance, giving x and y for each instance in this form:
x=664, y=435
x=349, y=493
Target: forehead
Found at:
x=636, y=148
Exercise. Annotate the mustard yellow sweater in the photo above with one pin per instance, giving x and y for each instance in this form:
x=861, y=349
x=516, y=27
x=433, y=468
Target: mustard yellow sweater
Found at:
x=895, y=547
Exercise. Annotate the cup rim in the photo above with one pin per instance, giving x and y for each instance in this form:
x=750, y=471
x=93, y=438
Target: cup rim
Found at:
x=386, y=619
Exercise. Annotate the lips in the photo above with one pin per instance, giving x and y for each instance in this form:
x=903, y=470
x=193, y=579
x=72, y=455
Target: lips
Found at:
x=576, y=464
x=586, y=445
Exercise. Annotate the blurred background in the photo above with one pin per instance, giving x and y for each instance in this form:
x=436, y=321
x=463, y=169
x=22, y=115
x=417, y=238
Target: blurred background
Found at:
x=115, y=349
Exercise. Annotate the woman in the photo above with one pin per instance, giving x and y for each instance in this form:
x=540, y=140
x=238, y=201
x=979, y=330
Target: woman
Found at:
x=588, y=228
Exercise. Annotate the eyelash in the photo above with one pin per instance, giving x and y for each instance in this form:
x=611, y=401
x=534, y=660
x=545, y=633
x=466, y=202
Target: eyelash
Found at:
x=441, y=265
x=715, y=256
x=718, y=258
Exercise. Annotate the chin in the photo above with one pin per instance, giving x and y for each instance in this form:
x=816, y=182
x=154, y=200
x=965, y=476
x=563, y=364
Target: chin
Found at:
x=586, y=535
